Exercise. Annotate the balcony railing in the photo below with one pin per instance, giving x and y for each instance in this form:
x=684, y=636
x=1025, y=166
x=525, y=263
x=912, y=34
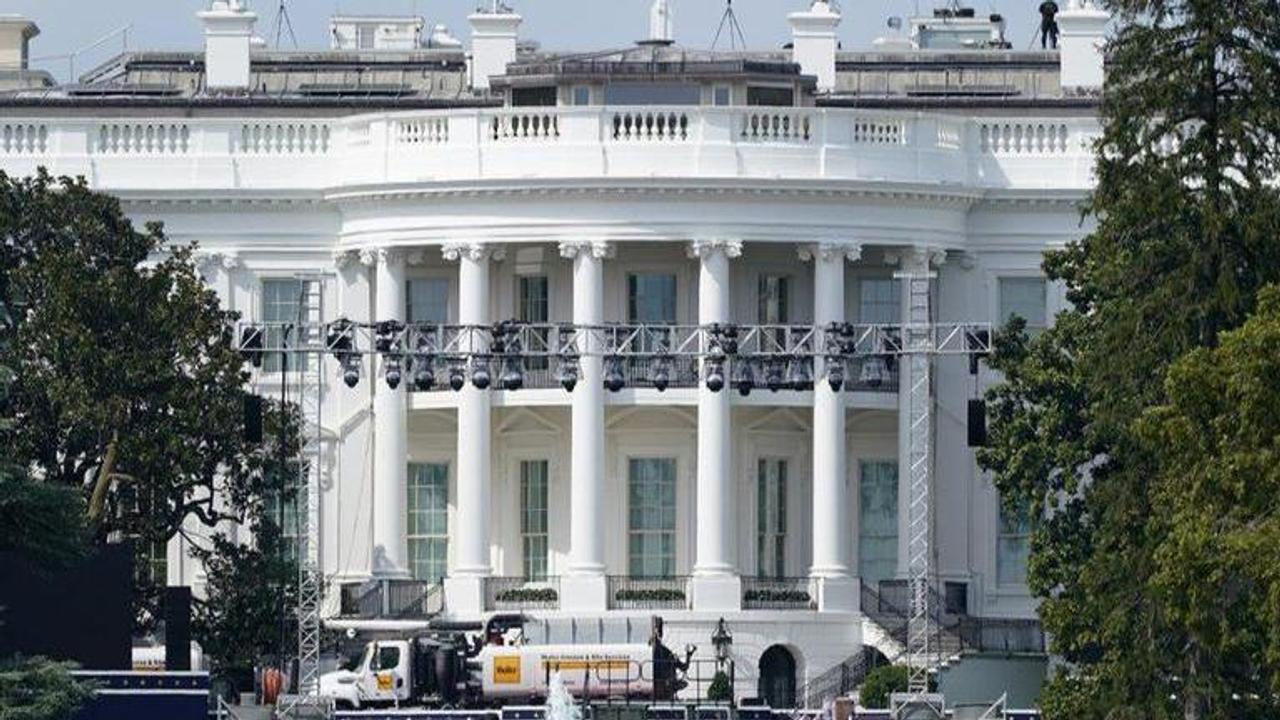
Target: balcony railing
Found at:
x=393, y=599
x=770, y=144
x=778, y=594
x=517, y=593
x=635, y=593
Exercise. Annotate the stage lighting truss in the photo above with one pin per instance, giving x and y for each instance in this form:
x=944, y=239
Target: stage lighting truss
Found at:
x=745, y=357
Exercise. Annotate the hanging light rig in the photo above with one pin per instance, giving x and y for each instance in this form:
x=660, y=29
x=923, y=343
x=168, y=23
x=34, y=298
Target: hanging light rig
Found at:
x=745, y=358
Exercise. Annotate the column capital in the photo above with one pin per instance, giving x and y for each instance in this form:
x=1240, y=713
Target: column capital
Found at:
x=368, y=257
x=919, y=256
x=704, y=248
x=346, y=259
x=829, y=251
x=392, y=257
x=210, y=262
x=474, y=251
x=598, y=249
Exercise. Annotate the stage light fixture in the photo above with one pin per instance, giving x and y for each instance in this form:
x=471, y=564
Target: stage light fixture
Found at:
x=480, y=377
x=835, y=372
x=660, y=373
x=457, y=375
x=614, y=378
x=773, y=375
x=799, y=376
x=746, y=377
x=567, y=372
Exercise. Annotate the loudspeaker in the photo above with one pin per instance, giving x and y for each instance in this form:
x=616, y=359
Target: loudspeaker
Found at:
x=177, y=629
x=253, y=419
x=977, y=423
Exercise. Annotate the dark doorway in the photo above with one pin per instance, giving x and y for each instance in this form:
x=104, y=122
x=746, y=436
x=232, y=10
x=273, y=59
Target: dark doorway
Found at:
x=778, y=677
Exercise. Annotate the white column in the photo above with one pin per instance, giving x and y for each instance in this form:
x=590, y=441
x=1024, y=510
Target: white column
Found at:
x=390, y=433
x=716, y=583
x=465, y=590
x=917, y=262
x=584, y=588
x=833, y=531
x=352, y=511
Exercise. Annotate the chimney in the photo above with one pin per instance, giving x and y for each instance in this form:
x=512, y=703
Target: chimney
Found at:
x=228, y=34
x=493, y=43
x=814, y=42
x=1082, y=29
x=660, y=22
x=16, y=33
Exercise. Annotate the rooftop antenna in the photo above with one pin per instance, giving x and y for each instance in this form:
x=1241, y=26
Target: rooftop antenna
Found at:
x=729, y=21
x=284, y=24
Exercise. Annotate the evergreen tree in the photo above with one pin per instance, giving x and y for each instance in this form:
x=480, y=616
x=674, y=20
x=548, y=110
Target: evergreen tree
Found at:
x=1186, y=215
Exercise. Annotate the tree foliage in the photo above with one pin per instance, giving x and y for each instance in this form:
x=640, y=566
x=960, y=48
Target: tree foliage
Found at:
x=1185, y=238
x=37, y=689
x=126, y=386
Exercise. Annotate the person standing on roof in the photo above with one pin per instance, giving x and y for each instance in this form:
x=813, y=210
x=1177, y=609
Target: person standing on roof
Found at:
x=1049, y=24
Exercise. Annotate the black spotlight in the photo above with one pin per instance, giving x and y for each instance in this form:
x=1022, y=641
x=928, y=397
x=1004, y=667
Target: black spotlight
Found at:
x=351, y=371
x=875, y=370
x=512, y=374
x=394, y=370
x=773, y=376
x=424, y=377
x=567, y=372
x=457, y=376
x=614, y=379
x=480, y=376
x=835, y=372
x=746, y=377
x=251, y=346
x=799, y=376
x=715, y=374
x=660, y=373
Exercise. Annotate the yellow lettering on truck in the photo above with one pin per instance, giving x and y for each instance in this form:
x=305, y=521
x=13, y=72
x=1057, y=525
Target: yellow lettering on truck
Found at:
x=506, y=670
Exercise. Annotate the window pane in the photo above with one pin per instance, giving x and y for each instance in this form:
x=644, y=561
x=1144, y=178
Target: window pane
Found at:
x=282, y=299
x=771, y=518
x=428, y=520
x=880, y=301
x=878, y=520
x=651, y=517
x=533, y=518
x=651, y=298
x=773, y=306
x=428, y=301
x=1024, y=298
x=1013, y=547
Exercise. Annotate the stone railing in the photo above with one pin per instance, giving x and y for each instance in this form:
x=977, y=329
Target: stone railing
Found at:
x=637, y=593
x=769, y=145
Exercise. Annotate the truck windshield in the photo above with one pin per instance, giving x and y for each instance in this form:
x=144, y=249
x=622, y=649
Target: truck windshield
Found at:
x=388, y=657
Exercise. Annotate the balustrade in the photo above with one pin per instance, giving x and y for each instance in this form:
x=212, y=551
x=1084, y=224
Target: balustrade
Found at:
x=777, y=126
x=525, y=126
x=284, y=138
x=23, y=138
x=423, y=131
x=650, y=125
x=1024, y=138
x=144, y=139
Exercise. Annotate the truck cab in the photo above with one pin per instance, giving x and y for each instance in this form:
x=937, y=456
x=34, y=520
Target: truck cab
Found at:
x=382, y=677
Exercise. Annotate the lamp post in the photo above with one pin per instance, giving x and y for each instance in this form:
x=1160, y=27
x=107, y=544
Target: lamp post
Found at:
x=722, y=641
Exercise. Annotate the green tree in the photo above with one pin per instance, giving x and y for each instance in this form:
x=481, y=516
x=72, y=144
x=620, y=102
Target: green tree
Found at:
x=1216, y=565
x=37, y=689
x=126, y=385
x=881, y=683
x=1185, y=217
x=244, y=617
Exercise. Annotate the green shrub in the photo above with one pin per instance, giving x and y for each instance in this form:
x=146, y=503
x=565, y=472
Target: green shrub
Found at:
x=720, y=689
x=789, y=597
x=649, y=595
x=528, y=595
x=880, y=684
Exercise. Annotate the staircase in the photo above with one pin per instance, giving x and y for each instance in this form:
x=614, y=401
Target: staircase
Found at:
x=885, y=639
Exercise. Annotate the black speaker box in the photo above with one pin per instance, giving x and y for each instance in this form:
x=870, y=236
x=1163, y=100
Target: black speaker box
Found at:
x=177, y=629
x=977, y=423
x=253, y=419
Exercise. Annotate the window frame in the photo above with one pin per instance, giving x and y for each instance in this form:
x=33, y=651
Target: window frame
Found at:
x=440, y=537
x=271, y=361
x=864, y=464
x=528, y=537
x=772, y=533
x=666, y=532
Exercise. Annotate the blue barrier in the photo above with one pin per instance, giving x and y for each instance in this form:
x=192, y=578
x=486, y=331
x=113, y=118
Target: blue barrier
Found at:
x=146, y=696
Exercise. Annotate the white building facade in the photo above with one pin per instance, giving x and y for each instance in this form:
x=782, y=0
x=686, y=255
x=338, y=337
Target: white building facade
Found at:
x=782, y=512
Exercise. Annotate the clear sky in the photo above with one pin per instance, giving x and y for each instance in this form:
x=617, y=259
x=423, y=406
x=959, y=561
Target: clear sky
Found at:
x=70, y=25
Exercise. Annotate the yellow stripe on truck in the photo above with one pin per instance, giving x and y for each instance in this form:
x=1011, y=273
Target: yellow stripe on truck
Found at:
x=586, y=664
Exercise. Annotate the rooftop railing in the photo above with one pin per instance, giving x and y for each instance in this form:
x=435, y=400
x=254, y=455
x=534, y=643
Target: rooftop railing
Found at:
x=768, y=144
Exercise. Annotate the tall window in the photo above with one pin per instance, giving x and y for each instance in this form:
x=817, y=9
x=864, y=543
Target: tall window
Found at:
x=771, y=517
x=533, y=518
x=284, y=509
x=282, y=299
x=1026, y=298
x=651, y=298
x=1013, y=545
x=428, y=301
x=533, y=306
x=651, y=526
x=878, y=520
x=428, y=506
x=880, y=301
x=774, y=306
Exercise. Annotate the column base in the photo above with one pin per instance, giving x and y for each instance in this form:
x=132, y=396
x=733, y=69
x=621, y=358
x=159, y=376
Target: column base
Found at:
x=584, y=593
x=838, y=594
x=716, y=593
x=464, y=595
